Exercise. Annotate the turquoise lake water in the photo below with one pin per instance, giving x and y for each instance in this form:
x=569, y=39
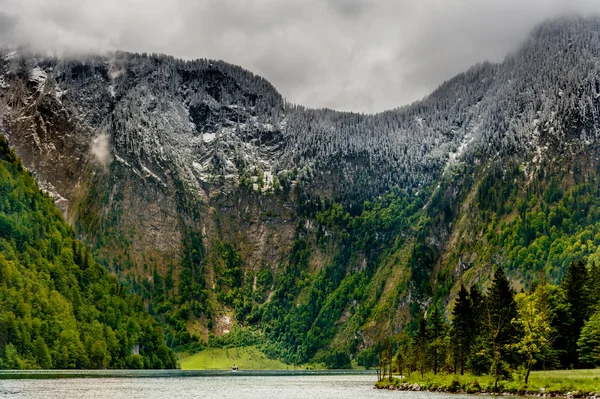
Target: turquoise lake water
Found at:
x=194, y=384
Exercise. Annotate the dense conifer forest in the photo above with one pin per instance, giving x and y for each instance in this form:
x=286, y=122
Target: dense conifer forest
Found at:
x=58, y=307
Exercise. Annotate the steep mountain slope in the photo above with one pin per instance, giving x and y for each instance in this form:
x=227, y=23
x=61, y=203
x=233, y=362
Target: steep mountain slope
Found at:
x=59, y=308
x=222, y=205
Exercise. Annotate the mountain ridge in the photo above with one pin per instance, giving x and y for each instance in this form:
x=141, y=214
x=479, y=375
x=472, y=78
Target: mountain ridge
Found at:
x=218, y=189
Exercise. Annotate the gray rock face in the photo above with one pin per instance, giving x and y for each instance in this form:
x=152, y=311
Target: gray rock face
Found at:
x=204, y=122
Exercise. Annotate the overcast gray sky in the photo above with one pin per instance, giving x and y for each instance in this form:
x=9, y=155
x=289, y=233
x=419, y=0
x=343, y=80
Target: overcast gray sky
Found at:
x=360, y=55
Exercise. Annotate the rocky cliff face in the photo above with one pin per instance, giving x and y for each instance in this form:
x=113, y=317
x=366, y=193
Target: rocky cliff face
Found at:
x=199, y=172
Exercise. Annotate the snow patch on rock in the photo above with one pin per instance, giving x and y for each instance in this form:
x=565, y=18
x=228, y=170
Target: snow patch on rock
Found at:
x=39, y=76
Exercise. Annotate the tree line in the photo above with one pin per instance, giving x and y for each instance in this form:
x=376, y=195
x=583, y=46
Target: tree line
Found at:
x=503, y=333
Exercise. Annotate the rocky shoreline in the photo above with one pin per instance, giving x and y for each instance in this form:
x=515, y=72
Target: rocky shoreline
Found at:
x=541, y=393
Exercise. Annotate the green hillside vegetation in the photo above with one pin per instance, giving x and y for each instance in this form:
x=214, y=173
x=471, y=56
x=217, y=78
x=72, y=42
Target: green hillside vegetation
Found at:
x=526, y=225
x=286, y=304
x=58, y=307
x=541, y=224
x=302, y=317
x=529, y=227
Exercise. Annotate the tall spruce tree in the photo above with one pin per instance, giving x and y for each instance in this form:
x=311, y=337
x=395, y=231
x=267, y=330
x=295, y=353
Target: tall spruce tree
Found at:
x=462, y=327
x=478, y=310
x=422, y=341
x=503, y=333
x=436, y=334
x=576, y=287
x=502, y=309
x=561, y=320
x=479, y=356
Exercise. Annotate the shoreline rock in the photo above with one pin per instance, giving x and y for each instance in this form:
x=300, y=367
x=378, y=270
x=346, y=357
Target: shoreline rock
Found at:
x=541, y=393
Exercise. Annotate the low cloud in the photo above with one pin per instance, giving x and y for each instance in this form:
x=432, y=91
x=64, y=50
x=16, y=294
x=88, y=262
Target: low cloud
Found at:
x=100, y=150
x=361, y=55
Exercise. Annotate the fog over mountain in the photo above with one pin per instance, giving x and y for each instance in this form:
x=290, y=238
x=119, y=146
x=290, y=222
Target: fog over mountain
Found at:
x=354, y=55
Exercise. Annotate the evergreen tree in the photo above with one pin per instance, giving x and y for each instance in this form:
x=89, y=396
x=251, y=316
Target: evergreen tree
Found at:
x=462, y=327
x=478, y=310
x=421, y=341
x=561, y=321
x=576, y=287
x=436, y=337
x=479, y=356
x=589, y=342
x=502, y=309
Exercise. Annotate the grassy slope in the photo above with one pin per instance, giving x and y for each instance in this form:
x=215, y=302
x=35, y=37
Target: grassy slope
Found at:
x=247, y=358
x=558, y=381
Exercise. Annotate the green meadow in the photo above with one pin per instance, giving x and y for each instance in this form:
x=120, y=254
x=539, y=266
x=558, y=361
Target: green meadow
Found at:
x=246, y=358
x=551, y=381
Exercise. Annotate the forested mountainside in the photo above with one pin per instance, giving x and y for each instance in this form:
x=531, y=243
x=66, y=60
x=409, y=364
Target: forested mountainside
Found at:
x=240, y=218
x=58, y=307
